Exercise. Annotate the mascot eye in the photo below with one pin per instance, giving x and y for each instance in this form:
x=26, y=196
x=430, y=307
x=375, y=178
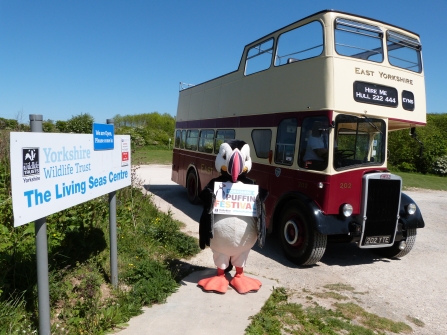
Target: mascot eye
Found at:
x=224, y=156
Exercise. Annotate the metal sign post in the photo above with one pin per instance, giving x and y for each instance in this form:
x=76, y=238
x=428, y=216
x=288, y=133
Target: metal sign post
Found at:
x=112, y=229
x=43, y=290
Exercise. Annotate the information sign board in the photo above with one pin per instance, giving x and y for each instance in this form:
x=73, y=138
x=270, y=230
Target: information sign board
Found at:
x=375, y=94
x=103, y=136
x=235, y=199
x=51, y=172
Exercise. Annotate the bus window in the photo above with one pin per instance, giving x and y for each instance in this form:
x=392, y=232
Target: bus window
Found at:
x=191, y=139
x=206, y=140
x=261, y=141
x=178, y=135
x=314, y=143
x=358, y=40
x=300, y=43
x=259, y=57
x=404, y=51
x=182, y=143
x=223, y=136
x=361, y=141
x=285, y=141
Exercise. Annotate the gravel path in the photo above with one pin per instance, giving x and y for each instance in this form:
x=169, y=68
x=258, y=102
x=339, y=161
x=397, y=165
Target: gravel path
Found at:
x=413, y=286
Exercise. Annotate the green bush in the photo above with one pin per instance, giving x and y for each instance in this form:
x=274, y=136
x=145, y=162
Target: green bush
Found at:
x=404, y=153
x=61, y=126
x=48, y=126
x=151, y=280
x=440, y=166
x=80, y=124
x=154, y=128
x=13, y=316
x=137, y=140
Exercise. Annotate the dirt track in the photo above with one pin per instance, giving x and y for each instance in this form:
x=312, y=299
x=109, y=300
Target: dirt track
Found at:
x=414, y=286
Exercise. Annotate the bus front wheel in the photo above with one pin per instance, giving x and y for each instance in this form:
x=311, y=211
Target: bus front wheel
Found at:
x=192, y=187
x=301, y=243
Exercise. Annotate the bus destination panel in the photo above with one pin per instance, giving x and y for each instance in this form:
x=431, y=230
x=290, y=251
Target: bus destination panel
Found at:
x=375, y=94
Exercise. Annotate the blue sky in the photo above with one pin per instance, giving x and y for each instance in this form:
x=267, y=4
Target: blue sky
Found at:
x=64, y=58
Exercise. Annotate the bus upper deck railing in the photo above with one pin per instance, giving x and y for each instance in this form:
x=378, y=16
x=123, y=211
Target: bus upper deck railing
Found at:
x=184, y=86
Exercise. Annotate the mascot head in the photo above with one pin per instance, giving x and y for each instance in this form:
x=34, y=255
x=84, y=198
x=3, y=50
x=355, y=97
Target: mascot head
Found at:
x=233, y=158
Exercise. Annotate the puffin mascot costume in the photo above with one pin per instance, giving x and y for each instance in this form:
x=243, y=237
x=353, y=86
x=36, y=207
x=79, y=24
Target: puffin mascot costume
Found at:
x=231, y=237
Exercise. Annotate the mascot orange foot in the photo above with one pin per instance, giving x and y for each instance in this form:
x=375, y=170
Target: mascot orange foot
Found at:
x=217, y=283
x=244, y=284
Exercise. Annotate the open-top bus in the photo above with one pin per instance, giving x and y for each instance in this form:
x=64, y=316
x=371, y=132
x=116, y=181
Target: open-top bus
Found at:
x=341, y=79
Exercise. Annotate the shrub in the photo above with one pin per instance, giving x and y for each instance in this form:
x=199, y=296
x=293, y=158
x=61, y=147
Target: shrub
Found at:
x=13, y=317
x=136, y=138
x=80, y=124
x=440, y=166
x=152, y=281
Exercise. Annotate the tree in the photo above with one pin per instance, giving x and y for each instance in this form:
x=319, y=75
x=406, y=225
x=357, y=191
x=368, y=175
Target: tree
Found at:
x=49, y=126
x=80, y=124
x=62, y=126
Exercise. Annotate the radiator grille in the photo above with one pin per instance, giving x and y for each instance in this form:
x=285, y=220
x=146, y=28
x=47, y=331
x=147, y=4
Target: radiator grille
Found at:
x=382, y=207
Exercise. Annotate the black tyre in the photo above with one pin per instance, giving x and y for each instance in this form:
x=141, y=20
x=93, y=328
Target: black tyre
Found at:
x=394, y=250
x=192, y=187
x=301, y=243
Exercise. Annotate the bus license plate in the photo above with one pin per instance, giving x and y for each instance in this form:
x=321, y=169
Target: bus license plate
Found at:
x=371, y=240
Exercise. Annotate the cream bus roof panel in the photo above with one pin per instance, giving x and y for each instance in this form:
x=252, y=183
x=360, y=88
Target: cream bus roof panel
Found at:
x=326, y=82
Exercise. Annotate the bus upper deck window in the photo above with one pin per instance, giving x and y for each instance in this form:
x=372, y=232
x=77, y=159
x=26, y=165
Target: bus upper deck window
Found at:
x=358, y=40
x=259, y=57
x=404, y=51
x=300, y=43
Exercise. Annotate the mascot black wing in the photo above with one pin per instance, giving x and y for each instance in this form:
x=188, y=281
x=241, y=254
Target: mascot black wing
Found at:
x=231, y=237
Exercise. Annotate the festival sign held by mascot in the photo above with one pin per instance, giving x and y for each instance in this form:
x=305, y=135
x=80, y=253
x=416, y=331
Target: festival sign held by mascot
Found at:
x=233, y=218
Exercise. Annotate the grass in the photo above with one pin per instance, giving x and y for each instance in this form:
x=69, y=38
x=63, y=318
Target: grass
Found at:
x=416, y=321
x=417, y=180
x=151, y=155
x=281, y=316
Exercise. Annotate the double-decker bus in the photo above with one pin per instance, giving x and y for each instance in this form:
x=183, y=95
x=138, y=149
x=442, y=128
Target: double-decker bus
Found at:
x=334, y=80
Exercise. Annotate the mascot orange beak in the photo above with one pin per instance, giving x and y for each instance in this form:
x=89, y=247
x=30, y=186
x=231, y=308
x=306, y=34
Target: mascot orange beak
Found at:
x=235, y=165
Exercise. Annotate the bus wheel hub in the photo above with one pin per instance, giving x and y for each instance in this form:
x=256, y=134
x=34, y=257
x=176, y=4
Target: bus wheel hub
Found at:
x=291, y=232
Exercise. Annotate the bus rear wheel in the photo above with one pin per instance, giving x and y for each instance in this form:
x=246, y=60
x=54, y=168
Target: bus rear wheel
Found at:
x=301, y=243
x=192, y=187
x=394, y=250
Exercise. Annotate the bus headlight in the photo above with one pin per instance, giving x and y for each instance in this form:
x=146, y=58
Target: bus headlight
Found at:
x=411, y=209
x=346, y=210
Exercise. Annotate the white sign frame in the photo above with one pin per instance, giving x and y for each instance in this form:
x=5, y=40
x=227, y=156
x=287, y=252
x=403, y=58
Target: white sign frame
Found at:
x=51, y=172
x=235, y=199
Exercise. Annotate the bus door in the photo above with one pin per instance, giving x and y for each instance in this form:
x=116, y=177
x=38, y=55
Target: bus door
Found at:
x=175, y=157
x=206, y=163
x=283, y=170
x=261, y=153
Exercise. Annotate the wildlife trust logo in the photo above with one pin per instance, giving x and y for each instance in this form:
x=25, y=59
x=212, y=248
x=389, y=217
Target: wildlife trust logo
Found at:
x=30, y=160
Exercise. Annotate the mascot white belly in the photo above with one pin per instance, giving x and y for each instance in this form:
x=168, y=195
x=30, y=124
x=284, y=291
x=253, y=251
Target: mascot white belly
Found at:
x=234, y=236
